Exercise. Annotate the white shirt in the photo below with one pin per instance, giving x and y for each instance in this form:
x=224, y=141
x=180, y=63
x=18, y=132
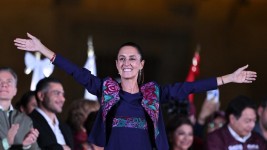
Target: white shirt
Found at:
x=237, y=137
x=55, y=127
x=11, y=108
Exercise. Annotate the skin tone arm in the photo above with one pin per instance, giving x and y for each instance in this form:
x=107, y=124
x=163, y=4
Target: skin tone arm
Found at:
x=208, y=108
x=33, y=44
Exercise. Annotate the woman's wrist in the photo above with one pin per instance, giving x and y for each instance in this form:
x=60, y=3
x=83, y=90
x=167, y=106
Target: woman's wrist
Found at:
x=225, y=79
x=53, y=58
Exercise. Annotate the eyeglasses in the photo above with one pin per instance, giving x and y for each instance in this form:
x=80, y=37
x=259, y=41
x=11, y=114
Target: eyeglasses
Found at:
x=215, y=125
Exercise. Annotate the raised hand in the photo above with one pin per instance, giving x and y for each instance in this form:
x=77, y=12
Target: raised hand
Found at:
x=208, y=108
x=239, y=76
x=33, y=44
x=243, y=76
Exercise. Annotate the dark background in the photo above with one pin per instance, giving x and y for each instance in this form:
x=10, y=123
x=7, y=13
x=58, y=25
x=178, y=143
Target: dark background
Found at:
x=231, y=33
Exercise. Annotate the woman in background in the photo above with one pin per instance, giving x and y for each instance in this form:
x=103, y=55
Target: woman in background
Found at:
x=181, y=134
x=78, y=113
x=27, y=103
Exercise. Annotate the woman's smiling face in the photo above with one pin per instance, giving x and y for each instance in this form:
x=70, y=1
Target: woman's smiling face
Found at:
x=129, y=62
x=183, y=137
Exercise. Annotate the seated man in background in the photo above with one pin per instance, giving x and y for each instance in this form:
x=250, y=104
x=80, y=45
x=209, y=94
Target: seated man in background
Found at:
x=261, y=125
x=16, y=129
x=237, y=134
x=54, y=135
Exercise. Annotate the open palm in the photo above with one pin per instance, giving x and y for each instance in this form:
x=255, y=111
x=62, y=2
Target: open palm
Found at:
x=31, y=44
x=243, y=76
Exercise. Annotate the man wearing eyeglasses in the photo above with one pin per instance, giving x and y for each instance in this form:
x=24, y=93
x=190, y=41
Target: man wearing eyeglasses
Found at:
x=54, y=134
x=16, y=129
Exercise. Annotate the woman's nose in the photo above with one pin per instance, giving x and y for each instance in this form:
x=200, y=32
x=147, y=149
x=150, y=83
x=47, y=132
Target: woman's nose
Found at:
x=126, y=62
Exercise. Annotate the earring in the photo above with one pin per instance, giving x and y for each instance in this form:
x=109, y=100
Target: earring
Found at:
x=140, y=77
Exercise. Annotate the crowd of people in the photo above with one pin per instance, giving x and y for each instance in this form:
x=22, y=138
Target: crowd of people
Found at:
x=128, y=114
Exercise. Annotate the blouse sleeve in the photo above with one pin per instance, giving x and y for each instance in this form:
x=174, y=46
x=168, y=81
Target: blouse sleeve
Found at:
x=81, y=75
x=181, y=90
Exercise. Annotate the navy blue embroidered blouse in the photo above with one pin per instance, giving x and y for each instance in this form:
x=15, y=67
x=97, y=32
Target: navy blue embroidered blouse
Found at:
x=131, y=121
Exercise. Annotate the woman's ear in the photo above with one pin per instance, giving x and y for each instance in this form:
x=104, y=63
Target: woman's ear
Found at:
x=117, y=66
x=116, y=61
x=142, y=64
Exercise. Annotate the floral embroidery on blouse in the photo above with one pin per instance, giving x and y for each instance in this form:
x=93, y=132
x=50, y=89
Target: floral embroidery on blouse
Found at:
x=151, y=103
x=129, y=122
x=110, y=96
x=150, y=100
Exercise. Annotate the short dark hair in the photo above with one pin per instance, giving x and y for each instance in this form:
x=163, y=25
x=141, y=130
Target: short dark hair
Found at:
x=178, y=121
x=43, y=85
x=174, y=123
x=11, y=71
x=237, y=105
x=24, y=100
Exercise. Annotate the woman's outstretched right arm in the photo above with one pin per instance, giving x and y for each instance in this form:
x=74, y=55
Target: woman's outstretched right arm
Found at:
x=81, y=75
x=34, y=44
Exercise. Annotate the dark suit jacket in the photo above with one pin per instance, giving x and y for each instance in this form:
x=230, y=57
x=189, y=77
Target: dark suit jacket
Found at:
x=47, y=139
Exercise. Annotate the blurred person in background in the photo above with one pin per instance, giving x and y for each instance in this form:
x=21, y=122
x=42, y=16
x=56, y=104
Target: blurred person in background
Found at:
x=180, y=133
x=54, y=134
x=27, y=102
x=237, y=133
x=216, y=121
x=210, y=117
x=79, y=111
x=261, y=125
x=16, y=128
